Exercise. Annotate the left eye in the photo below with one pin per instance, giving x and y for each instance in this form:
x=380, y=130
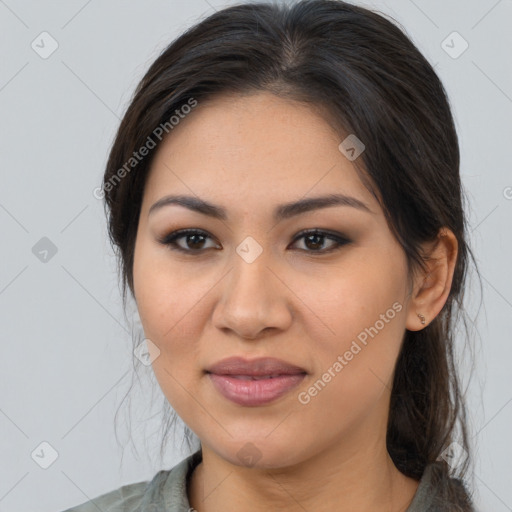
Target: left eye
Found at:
x=195, y=240
x=316, y=238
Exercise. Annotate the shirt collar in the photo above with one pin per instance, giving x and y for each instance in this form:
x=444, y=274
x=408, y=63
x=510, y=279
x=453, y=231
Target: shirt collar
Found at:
x=167, y=492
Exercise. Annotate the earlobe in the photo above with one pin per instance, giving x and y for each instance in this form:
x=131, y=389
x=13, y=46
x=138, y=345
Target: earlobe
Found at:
x=431, y=288
x=422, y=319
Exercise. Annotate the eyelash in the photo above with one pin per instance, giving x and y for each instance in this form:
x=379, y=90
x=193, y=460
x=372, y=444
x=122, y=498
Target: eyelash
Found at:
x=170, y=240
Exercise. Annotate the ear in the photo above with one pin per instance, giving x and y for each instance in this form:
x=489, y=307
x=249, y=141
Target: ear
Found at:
x=431, y=289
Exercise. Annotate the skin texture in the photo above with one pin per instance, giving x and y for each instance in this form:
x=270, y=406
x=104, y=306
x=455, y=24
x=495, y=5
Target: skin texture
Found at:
x=249, y=154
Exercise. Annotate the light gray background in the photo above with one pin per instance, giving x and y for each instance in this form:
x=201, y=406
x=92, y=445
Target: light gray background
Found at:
x=66, y=359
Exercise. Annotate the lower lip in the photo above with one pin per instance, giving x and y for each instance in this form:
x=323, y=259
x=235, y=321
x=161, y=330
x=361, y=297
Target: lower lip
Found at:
x=255, y=392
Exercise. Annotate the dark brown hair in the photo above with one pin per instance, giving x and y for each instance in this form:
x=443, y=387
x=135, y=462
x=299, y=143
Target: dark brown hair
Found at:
x=367, y=78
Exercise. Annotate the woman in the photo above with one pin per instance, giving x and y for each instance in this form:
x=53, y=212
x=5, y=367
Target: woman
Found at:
x=285, y=199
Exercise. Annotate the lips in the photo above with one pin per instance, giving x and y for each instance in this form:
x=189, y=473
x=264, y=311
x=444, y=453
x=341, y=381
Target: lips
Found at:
x=264, y=367
x=256, y=382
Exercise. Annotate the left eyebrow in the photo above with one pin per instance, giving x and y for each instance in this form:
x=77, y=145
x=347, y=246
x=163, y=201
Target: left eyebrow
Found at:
x=283, y=211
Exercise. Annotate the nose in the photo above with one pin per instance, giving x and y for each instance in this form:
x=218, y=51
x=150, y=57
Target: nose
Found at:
x=253, y=300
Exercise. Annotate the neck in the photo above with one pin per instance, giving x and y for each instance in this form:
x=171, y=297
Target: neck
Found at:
x=364, y=480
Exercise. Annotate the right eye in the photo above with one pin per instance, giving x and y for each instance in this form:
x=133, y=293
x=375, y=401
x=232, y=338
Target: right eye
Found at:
x=193, y=239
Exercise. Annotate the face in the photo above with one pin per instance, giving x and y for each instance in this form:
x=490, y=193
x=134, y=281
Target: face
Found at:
x=251, y=284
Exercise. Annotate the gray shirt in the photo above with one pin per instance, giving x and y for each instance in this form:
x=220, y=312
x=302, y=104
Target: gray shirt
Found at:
x=167, y=492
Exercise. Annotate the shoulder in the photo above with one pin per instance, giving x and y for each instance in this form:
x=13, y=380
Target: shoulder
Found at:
x=127, y=497
x=166, y=491
x=438, y=492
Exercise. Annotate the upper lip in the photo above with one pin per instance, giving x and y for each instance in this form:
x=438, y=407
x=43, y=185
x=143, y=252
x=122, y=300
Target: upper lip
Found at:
x=254, y=367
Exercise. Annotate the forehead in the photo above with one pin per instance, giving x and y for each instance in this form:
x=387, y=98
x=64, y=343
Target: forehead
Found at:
x=256, y=145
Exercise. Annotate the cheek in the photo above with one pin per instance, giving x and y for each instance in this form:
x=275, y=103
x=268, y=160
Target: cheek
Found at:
x=170, y=310
x=159, y=293
x=354, y=297
x=364, y=310
x=353, y=370
x=171, y=305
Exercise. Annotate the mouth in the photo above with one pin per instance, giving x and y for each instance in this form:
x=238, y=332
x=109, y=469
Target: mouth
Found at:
x=254, y=382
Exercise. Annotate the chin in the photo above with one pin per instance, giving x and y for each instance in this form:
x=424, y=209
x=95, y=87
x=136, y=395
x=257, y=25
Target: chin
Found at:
x=259, y=453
